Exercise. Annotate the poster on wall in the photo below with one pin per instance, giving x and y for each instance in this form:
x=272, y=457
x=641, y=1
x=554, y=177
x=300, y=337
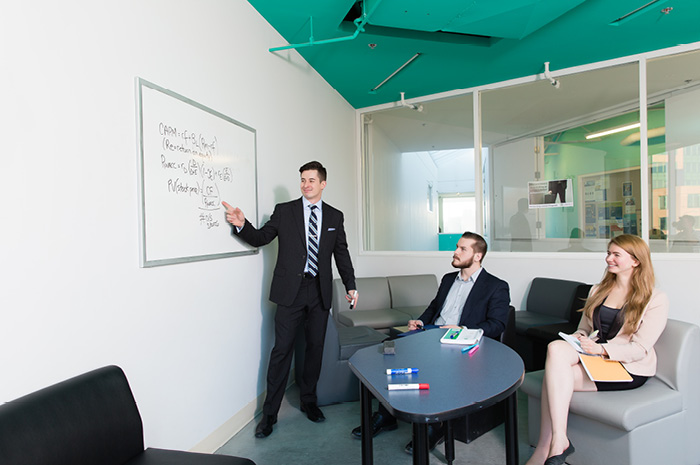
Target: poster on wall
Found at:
x=627, y=189
x=550, y=194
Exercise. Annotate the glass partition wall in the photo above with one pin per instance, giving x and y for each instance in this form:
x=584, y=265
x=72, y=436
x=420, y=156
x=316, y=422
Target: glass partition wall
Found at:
x=560, y=164
x=570, y=136
x=419, y=175
x=673, y=92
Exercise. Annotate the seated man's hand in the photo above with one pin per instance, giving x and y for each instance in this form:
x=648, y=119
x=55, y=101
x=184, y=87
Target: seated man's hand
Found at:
x=414, y=325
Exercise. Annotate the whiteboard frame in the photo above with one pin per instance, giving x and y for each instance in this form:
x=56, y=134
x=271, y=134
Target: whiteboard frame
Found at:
x=143, y=242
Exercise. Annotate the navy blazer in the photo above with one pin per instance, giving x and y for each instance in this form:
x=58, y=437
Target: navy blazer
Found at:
x=287, y=224
x=486, y=307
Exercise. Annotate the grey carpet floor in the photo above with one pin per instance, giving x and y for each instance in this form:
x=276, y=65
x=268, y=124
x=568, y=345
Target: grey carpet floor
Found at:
x=296, y=440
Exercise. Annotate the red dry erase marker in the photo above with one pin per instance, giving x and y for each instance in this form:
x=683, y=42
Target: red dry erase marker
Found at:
x=471, y=352
x=410, y=386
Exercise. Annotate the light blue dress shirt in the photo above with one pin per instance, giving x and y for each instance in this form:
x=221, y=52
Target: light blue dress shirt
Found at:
x=451, y=311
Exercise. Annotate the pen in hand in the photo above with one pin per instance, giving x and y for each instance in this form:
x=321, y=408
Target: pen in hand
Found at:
x=352, y=302
x=593, y=334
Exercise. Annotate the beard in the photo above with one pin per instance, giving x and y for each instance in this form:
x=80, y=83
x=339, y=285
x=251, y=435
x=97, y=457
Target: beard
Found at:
x=467, y=264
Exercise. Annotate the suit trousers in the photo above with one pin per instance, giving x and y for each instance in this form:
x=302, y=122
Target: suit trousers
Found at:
x=308, y=310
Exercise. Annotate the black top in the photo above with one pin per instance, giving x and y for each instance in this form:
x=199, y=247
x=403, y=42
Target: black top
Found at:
x=607, y=317
x=608, y=321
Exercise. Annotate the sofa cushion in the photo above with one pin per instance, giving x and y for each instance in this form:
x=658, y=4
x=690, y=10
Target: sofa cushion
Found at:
x=554, y=297
x=381, y=318
x=549, y=333
x=625, y=410
x=374, y=294
x=412, y=312
x=525, y=319
x=351, y=339
x=412, y=290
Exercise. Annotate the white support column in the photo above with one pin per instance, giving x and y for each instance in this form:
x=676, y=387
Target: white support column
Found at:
x=644, y=149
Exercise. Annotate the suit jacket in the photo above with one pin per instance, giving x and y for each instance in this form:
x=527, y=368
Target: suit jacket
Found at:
x=486, y=307
x=636, y=350
x=287, y=224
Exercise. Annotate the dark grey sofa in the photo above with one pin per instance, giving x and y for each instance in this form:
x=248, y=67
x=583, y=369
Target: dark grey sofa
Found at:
x=337, y=383
x=385, y=302
x=552, y=306
x=91, y=419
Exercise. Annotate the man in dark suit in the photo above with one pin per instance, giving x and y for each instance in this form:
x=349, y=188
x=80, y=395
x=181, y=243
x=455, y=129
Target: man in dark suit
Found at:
x=309, y=233
x=470, y=297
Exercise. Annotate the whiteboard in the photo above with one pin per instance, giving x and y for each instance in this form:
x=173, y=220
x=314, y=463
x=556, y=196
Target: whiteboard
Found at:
x=190, y=159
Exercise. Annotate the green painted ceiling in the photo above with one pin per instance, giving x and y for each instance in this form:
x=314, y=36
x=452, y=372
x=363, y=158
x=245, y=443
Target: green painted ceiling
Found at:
x=466, y=43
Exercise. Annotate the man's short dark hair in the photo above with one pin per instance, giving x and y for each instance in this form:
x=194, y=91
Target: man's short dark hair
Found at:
x=314, y=165
x=479, y=243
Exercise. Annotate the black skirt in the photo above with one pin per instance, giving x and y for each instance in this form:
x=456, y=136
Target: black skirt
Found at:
x=621, y=385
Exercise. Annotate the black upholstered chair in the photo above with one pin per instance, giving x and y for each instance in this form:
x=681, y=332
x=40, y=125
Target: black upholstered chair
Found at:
x=552, y=305
x=87, y=420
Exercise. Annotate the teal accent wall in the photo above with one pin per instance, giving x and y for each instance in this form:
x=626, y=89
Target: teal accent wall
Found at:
x=448, y=241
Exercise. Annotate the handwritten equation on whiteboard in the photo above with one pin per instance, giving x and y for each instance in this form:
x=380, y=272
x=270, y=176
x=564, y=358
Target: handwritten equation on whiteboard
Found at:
x=192, y=158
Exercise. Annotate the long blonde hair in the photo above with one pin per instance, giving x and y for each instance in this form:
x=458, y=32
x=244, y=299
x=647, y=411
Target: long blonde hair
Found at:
x=641, y=283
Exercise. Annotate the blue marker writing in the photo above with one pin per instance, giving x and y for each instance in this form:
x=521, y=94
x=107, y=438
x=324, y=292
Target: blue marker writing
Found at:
x=401, y=371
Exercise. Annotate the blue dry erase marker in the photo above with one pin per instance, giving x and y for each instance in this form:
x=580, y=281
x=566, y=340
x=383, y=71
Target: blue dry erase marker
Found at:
x=464, y=349
x=401, y=371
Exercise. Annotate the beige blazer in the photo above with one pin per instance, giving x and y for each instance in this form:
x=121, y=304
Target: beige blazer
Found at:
x=636, y=350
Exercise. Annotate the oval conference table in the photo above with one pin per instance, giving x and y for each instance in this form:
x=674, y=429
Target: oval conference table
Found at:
x=459, y=384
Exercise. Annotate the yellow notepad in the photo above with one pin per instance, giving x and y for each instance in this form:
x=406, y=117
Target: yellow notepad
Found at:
x=600, y=369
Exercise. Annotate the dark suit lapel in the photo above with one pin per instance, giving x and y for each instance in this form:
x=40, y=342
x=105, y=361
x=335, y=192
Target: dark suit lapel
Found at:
x=476, y=292
x=298, y=214
x=326, y=219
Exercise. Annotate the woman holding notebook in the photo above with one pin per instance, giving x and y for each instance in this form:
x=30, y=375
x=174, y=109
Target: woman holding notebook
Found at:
x=623, y=317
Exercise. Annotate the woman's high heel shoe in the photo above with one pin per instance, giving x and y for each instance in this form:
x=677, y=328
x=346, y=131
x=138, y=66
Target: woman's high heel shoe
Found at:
x=561, y=458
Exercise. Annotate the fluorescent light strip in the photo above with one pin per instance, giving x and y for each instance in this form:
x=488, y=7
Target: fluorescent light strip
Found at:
x=396, y=72
x=633, y=14
x=607, y=132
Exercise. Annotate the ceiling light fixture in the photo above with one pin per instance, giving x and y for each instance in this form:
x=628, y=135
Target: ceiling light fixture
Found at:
x=607, y=132
x=548, y=75
x=395, y=72
x=418, y=107
x=639, y=11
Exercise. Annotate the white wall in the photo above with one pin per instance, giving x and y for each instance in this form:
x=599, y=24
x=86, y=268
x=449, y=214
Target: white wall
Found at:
x=399, y=192
x=192, y=338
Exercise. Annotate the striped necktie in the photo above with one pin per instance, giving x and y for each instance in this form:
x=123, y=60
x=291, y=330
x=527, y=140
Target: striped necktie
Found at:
x=313, y=241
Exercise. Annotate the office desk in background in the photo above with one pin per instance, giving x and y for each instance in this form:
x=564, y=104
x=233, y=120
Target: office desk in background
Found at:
x=459, y=384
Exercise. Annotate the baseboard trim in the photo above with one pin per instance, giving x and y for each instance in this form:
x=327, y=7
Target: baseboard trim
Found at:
x=233, y=425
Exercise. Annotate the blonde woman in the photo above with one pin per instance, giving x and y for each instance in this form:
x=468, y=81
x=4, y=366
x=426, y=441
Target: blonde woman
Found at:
x=622, y=320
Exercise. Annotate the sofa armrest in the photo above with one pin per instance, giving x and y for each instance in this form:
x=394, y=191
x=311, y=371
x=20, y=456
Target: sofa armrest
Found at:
x=86, y=419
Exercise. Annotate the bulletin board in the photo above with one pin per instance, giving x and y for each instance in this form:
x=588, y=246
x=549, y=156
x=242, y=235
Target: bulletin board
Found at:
x=611, y=203
x=190, y=159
